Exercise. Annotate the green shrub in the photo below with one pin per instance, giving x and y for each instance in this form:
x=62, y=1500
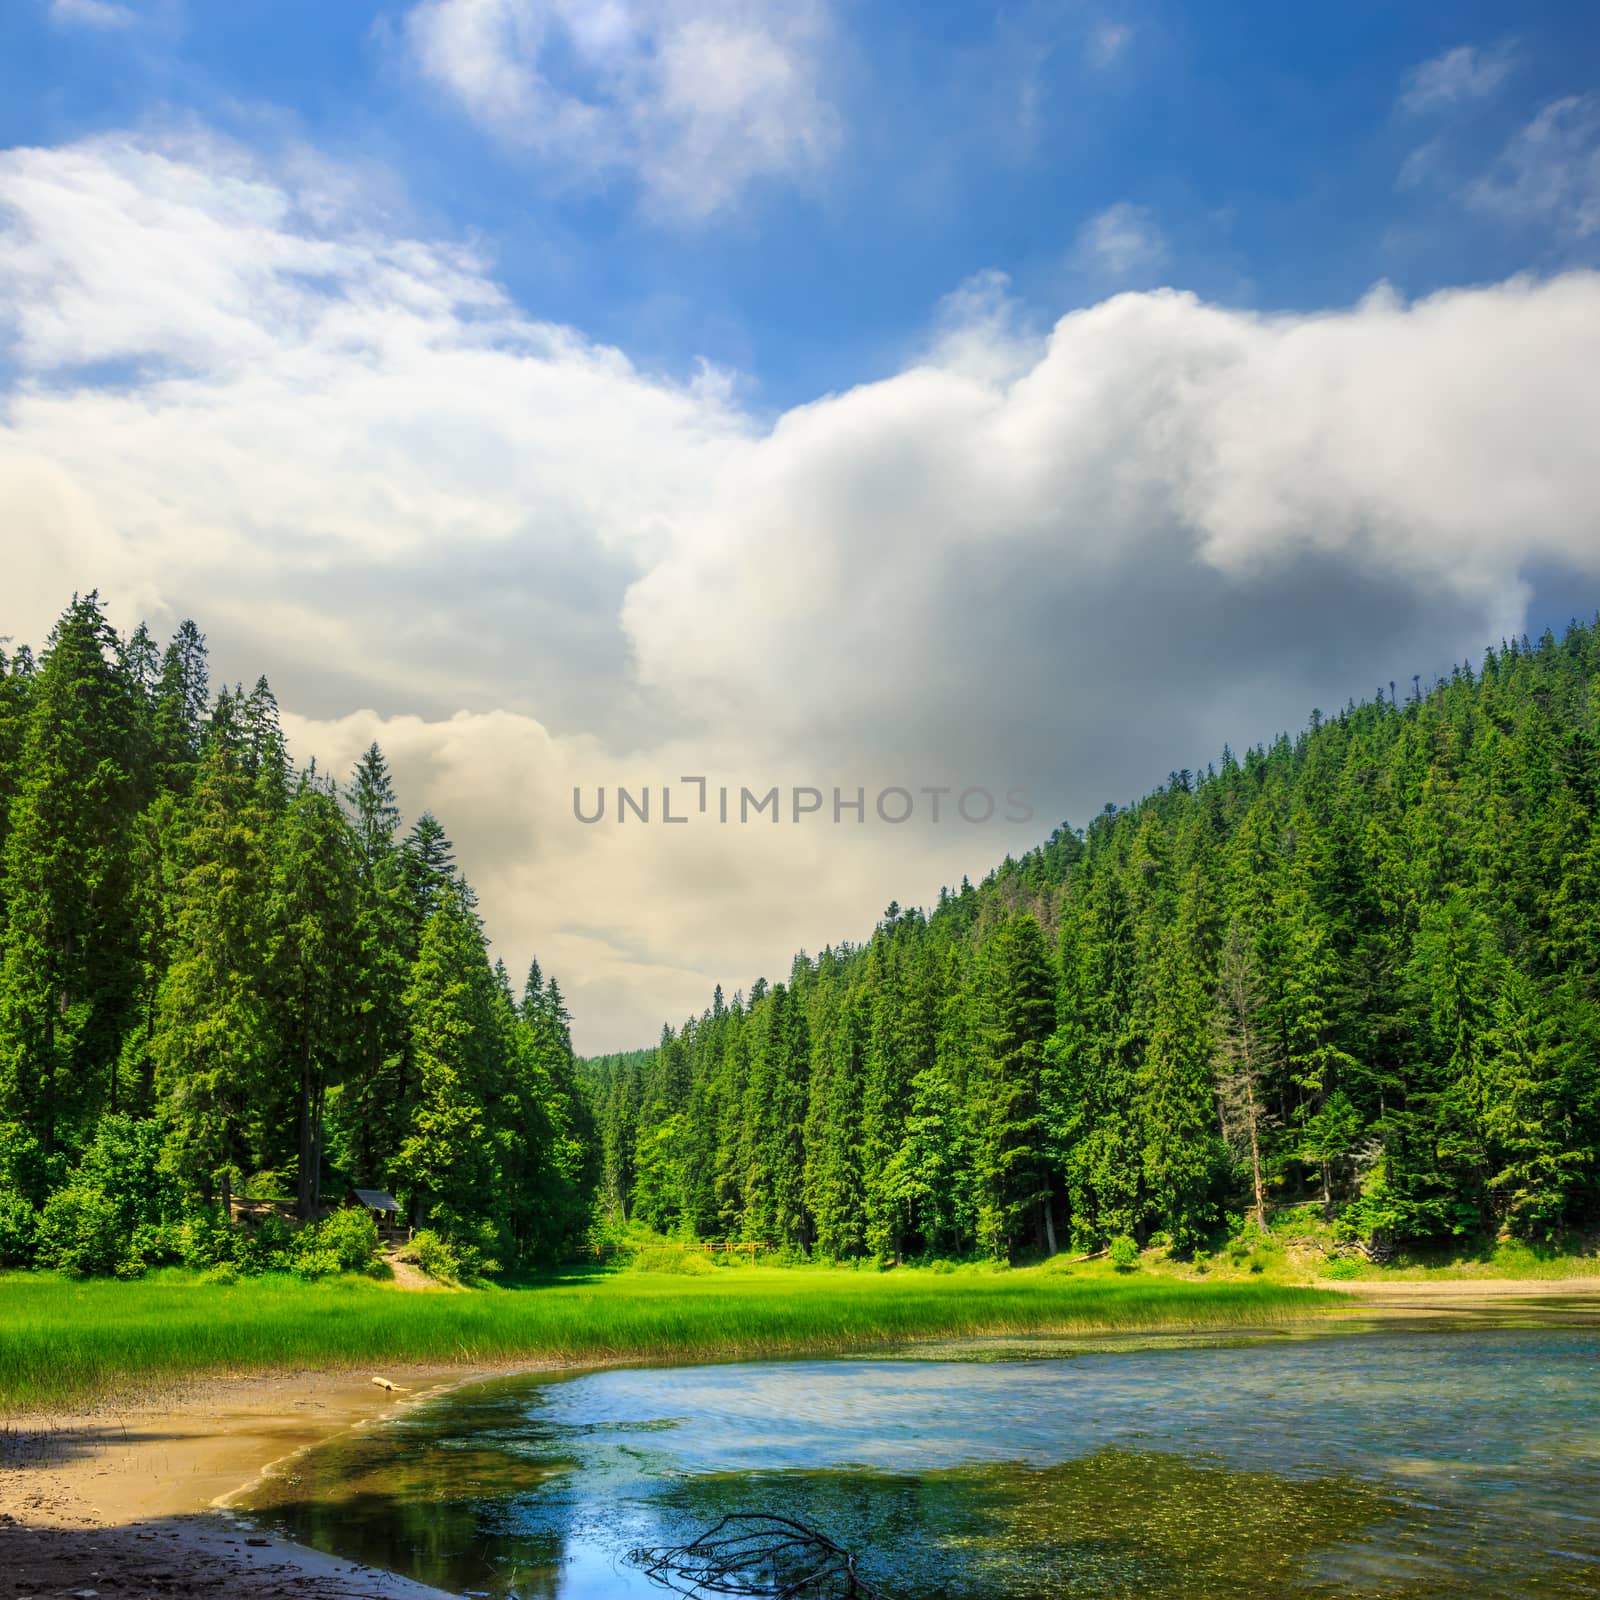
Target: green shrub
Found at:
x=1343, y=1267
x=19, y=1227
x=124, y=1163
x=462, y=1249
x=158, y=1244
x=24, y=1172
x=1124, y=1253
x=80, y=1232
x=206, y=1241
x=435, y=1255
x=351, y=1236
x=273, y=1239
x=311, y=1260
x=113, y=1206
x=345, y=1241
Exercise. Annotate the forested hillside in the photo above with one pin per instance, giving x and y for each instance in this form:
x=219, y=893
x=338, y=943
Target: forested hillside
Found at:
x=1360, y=967
x=221, y=976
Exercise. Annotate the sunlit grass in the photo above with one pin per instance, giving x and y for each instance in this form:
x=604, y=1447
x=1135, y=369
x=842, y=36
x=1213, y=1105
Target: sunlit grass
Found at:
x=1486, y=1263
x=64, y=1340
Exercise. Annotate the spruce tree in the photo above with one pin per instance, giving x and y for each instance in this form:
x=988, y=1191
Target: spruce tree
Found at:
x=215, y=1044
x=313, y=955
x=67, y=969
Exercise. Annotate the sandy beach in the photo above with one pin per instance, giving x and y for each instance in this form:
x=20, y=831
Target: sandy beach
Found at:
x=128, y=1499
x=1461, y=1295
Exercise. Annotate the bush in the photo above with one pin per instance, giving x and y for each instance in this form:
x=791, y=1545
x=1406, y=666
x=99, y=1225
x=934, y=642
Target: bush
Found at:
x=124, y=1163
x=270, y=1243
x=349, y=1237
x=206, y=1241
x=19, y=1227
x=24, y=1172
x=115, y=1211
x=1124, y=1253
x=1343, y=1267
x=311, y=1260
x=435, y=1255
x=158, y=1244
x=469, y=1245
x=80, y=1232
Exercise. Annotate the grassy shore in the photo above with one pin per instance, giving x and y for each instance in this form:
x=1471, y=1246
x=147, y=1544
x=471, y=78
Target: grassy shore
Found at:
x=63, y=1341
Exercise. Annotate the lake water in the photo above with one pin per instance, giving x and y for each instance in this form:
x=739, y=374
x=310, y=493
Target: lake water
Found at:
x=1405, y=1464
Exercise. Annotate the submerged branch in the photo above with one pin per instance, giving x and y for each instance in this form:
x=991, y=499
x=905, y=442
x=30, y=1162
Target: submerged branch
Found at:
x=754, y=1554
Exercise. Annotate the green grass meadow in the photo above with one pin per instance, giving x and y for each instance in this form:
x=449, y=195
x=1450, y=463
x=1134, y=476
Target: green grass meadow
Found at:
x=64, y=1340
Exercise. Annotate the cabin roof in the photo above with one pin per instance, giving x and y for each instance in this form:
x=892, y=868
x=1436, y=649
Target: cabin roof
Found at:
x=376, y=1199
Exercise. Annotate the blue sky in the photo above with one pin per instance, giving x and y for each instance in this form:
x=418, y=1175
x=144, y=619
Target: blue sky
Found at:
x=797, y=392
x=1264, y=143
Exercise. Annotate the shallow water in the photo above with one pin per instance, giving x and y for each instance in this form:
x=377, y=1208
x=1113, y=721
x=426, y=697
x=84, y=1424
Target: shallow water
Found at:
x=1414, y=1464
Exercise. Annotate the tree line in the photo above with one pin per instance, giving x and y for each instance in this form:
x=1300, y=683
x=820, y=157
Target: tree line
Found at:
x=1358, y=968
x=220, y=975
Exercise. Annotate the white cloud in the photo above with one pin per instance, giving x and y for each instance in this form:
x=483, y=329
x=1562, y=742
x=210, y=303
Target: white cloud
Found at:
x=1067, y=560
x=1121, y=242
x=92, y=13
x=1549, y=172
x=1458, y=77
x=1108, y=41
x=697, y=99
x=1435, y=448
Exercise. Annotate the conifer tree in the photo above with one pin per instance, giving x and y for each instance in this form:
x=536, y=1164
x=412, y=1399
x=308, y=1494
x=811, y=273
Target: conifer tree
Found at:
x=1019, y=1015
x=373, y=1104
x=313, y=955
x=67, y=966
x=214, y=1041
x=447, y=1159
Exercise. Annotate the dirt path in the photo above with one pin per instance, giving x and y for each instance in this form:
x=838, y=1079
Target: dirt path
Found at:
x=407, y=1275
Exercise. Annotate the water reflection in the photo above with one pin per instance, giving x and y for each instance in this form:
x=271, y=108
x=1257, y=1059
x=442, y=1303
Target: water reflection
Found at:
x=1413, y=1466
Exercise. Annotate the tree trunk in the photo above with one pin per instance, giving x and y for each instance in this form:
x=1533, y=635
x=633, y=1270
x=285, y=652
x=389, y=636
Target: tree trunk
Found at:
x=1049, y=1226
x=1255, y=1157
x=47, y=1109
x=303, y=1201
x=316, y=1148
